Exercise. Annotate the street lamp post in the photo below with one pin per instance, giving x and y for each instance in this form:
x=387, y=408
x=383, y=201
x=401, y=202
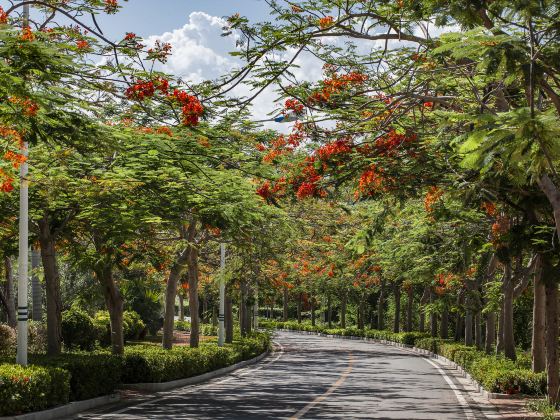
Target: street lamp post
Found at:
x=221, y=314
x=21, y=357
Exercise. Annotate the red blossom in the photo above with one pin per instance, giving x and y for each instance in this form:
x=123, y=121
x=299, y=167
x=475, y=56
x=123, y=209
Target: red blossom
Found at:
x=3, y=16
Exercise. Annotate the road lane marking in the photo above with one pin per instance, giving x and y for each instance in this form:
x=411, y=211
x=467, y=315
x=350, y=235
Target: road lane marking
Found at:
x=460, y=397
x=193, y=388
x=329, y=391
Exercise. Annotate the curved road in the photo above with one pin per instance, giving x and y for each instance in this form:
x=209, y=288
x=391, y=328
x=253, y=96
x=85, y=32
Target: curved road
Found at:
x=315, y=377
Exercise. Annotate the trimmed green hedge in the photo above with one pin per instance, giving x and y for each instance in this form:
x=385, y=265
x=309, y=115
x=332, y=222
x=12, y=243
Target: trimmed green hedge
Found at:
x=51, y=381
x=32, y=388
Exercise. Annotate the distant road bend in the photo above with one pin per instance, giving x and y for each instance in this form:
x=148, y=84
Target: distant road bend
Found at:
x=312, y=377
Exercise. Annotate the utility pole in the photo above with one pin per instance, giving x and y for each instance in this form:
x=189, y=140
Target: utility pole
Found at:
x=221, y=314
x=36, y=288
x=23, y=273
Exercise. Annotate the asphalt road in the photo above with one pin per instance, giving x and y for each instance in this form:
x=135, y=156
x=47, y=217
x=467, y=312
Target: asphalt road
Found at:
x=315, y=377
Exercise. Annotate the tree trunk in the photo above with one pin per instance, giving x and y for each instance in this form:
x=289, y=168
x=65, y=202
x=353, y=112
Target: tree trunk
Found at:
x=285, y=302
x=329, y=311
x=52, y=287
x=312, y=303
x=115, y=306
x=433, y=317
x=380, y=305
x=192, y=272
x=343, y=302
x=538, y=337
x=422, y=314
x=397, y=320
x=409, y=308
x=299, y=303
x=228, y=317
x=509, y=342
x=7, y=295
x=205, y=309
x=552, y=365
x=36, y=287
x=361, y=313
x=468, y=327
x=553, y=195
x=181, y=307
x=170, y=294
x=444, y=333
x=243, y=315
x=490, y=332
x=500, y=337
x=478, y=330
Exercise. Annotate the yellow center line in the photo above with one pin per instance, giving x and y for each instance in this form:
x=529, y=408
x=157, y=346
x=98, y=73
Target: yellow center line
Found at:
x=329, y=391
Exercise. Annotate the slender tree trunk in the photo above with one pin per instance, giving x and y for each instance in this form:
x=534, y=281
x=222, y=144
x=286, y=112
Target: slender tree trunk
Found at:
x=397, y=320
x=52, y=287
x=422, y=314
x=468, y=327
x=170, y=294
x=552, y=365
x=7, y=295
x=181, y=307
x=115, y=306
x=343, y=302
x=214, y=316
x=312, y=303
x=380, y=305
x=433, y=317
x=36, y=287
x=538, y=351
x=228, y=316
x=509, y=342
x=500, y=336
x=329, y=311
x=478, y=330
x=299, y=304
x=205, y=309
x=409, y=308
x=361, y=313
x=285, y=302
x=444, y=333
x=490, y=333
x=192, y=274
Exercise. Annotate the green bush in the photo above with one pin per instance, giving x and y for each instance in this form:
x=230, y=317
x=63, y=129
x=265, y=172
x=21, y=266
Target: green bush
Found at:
x=208, y=329
x=36, y=337
x=78, y=331
x=92, y=374
x=145, y=363
x=182, y=325
x=102, y=325
x=32, y=388
x=133, y=325
x=7, y=339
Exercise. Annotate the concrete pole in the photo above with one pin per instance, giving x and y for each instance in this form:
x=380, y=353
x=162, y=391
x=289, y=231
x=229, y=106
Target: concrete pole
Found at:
x=21, y=357
x=221, y=314
x=36, y=288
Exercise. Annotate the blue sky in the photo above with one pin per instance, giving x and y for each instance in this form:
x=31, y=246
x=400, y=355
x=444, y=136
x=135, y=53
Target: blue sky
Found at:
x=149, y=17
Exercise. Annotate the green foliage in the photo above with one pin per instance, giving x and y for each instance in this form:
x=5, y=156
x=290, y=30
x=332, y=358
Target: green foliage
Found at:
x=133, y=326
x=78, y=330
x=32, y=388
x=91, y=374
x=182, y=325
x=7, y=339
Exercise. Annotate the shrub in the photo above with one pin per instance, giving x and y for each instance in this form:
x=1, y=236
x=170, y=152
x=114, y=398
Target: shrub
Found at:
x=78, y=330
x=92, y=374
x=133, y=325
x=36, y=337
x=32, y=388
x=7, y=339
x=182, y=325
x=102, y=325
x=208, y=329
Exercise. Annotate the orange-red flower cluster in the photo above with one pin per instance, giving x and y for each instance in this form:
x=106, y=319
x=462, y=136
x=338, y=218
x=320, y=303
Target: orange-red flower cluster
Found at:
x=28, y=107
x=160, y=52
x=27, y=34
x=3, y=16
x=192, y=109
x=326, y=22
x=294, y=105
x=336, y=148
x=82, y=44
x=335, y=84
x=432, y=196
x=15, y=158
x=489, y=208
x=144, y=89
x=111, y=6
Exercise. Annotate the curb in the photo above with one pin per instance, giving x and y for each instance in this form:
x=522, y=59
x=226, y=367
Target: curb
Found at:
x=422, y=352
x=67, y=409
x=166, y=386
x=76, y=407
